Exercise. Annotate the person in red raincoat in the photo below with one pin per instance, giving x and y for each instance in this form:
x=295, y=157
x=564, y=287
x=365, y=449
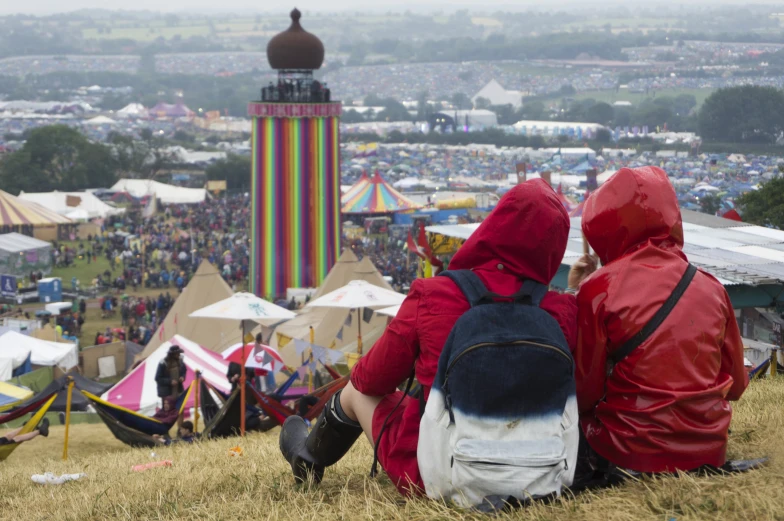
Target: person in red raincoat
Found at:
x=523, y=238
x=665, y=407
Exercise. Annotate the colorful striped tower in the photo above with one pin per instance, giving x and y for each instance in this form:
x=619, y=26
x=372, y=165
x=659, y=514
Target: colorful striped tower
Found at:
x=295, y=185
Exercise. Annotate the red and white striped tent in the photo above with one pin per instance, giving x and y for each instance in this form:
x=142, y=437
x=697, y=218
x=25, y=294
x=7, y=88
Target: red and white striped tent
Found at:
x=138, y=391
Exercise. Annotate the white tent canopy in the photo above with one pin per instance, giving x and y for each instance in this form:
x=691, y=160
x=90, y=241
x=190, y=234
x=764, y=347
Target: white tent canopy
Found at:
x=74, y=205
x=168, y=194
x=100, y=120
x=134, y=110
x=6, y=369
x=42, y=352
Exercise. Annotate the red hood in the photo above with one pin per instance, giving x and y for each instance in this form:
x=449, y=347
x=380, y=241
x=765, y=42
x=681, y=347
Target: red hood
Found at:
x=527, y=233
x=634, y=207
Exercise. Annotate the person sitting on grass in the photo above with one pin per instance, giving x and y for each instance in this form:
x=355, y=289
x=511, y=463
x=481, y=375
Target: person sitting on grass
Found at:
x=13, y=436
x=185, y=434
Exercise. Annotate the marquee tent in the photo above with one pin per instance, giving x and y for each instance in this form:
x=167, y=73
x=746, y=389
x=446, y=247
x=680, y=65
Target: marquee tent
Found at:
x=376, y=196
x=134, y=110
x=20, y=254
x=354, y=189
x=70, y=203
x=168, y=194
x=16, y=212
x=138, y=390
x=41, y=352
x=205, y=288
x=166, y=110
x=6, y=369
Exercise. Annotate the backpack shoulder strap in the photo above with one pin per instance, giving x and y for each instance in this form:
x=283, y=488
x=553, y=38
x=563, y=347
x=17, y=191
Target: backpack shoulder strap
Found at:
x=657, y=319
x=469, y=283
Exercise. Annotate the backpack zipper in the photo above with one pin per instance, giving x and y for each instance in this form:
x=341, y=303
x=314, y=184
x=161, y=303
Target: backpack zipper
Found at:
x=447, y=396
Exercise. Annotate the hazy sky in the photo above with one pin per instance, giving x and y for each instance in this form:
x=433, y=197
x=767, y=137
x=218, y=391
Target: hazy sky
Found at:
x=49, y=6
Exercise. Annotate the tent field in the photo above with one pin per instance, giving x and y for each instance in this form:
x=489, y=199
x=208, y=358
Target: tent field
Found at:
x=206, y=483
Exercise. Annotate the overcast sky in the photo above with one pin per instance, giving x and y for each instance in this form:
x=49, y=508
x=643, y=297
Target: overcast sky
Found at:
x=54, y=6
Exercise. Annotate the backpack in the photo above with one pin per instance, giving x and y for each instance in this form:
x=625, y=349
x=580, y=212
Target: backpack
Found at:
x=501, y=418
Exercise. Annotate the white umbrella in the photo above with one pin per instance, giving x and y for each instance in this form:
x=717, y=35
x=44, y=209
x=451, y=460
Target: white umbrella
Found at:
x=391, y=311
x=243, y=307
x=359, y=294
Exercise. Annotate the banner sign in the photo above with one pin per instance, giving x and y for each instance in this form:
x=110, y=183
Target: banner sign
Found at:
x=294, y=110
x=8, y=285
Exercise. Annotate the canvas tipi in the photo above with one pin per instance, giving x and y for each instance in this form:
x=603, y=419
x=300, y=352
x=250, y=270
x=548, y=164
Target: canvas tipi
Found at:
x=333, y=327
x=205, y=288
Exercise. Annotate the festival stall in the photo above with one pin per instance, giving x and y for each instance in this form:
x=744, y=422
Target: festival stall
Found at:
x=20, y=255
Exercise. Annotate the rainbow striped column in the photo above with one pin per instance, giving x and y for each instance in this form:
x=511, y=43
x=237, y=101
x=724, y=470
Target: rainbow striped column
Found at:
x=295, y=195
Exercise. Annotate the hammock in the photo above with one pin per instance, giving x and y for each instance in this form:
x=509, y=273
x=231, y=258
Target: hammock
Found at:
x=227, y=419
x=32, y=423
x=21, y=411
x=279, y=412
x=114, y=414
x=209, y=406
x=125, y=434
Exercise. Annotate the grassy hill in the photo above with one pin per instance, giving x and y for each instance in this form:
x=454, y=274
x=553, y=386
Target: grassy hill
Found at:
x=205, y=482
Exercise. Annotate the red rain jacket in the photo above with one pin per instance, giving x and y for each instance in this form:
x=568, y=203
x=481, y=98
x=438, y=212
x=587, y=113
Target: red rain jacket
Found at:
x=665, y=407
x=523, y=238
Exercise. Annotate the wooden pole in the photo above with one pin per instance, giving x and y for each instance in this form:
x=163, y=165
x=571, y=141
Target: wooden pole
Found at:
x=242, y=382
x=359, y=333
x=197, y=383
x=310, y=359
x=68, y=417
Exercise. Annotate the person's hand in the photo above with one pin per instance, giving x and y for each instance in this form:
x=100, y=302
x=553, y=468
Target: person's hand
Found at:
x=182, y=379
x=581, y=270
x=174, y=382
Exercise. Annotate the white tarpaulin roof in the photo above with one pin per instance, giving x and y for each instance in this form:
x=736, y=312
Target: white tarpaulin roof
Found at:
x=81, y=204
x=6, y=369
x=168, y=194
x=42, y=352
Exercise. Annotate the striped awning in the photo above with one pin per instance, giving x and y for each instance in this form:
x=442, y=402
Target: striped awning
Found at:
x=375, y=196
x=15, y=212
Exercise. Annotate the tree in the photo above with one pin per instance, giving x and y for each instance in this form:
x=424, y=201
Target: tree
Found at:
x=601, y=113
x=461, y=102
x=765, y=206
x=58, y=158
x=534, y=111
x=482, y=103
x=711, y=204
x=603, y=136
x=748, y=114
x=235, y=170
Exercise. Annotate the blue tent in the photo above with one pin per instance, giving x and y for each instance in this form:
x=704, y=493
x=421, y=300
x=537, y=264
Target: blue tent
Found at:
x=582, y=168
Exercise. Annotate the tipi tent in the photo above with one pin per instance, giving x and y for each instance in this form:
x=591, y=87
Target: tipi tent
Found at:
x=205, y=288
x=333, y=327
x=65, y=356
x=138, y=391
x=66, y=203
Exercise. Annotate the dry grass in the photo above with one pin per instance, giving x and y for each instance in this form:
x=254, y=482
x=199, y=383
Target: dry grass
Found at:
x=206, y=483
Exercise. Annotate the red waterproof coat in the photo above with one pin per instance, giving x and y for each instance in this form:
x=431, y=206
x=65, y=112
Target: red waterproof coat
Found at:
x=523, y=238
x=665, y=407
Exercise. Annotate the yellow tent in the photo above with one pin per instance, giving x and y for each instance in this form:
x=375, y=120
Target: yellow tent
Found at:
x=205, y=288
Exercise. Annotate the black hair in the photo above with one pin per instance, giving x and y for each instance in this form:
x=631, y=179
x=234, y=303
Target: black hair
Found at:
x=258, y=337
x=188, y=425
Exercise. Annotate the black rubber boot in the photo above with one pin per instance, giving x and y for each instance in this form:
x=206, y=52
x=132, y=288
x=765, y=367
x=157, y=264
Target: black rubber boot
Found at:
x=331, y=438
x=43, y=427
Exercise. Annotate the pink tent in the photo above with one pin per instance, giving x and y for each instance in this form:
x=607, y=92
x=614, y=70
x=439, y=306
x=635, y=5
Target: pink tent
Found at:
x=138, y=391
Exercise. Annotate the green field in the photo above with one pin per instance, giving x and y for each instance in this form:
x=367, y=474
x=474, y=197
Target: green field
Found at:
x=638, y=97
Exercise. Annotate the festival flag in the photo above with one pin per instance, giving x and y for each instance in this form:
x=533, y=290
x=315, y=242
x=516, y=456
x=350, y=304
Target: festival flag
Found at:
x=347, y=323
x=302, y=372
x=367, y=315
x=339, y=336
x=732, y=215
x=413, y=248
x=300, y=346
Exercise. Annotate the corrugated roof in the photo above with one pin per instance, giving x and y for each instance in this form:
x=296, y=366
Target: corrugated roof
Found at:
x=16, y=242
x=733, y=253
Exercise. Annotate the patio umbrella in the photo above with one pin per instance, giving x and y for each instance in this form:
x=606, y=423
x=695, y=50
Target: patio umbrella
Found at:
x=244, y=307
x=391, y=311
x=265, y=359
x=359, y=294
